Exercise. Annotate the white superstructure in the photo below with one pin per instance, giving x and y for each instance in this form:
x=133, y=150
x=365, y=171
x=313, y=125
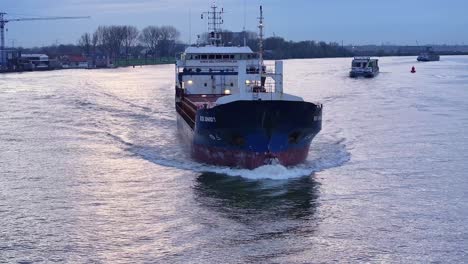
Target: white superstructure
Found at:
x=364, y=66
x=238, y=73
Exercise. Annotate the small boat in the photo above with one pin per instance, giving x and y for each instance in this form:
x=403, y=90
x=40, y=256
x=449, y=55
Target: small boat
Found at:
x=428, y=55
x=365, y=67
x=231, y=108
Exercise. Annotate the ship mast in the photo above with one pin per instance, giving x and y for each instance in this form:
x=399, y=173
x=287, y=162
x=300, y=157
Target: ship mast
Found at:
x=260, y=39
x=260, y=44
x=215, y=20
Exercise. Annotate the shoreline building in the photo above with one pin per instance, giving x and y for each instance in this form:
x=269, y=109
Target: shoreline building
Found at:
x=35, y=62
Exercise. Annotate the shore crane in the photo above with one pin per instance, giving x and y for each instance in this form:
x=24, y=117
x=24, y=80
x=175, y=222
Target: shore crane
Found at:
x=4, y=21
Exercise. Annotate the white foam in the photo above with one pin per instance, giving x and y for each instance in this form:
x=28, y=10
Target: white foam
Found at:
x=325, y=153
x=274, y=172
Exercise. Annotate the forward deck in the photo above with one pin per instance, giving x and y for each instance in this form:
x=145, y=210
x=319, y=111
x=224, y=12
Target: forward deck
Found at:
x=189, y=105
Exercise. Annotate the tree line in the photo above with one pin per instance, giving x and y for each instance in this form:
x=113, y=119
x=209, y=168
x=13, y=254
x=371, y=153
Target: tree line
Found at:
x=279, y=48
x=163, y=41
x=117, y=41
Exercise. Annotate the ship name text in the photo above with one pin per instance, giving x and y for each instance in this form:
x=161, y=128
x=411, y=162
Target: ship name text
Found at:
x=209, y=119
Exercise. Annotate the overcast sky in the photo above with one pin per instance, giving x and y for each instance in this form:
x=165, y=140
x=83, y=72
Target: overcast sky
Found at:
x=351, y=21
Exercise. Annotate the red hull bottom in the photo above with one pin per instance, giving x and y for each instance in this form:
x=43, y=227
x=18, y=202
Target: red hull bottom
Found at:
x=249, y=160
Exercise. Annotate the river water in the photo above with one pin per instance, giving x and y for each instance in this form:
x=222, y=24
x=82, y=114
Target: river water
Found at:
x=92, y=171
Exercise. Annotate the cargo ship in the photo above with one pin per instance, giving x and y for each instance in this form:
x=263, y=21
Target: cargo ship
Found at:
x=231, y=108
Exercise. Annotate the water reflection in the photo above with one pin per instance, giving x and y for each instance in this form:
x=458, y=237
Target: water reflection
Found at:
x=252, y=200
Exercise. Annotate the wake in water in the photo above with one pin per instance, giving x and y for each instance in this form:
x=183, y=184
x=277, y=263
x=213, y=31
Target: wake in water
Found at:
x=151, y=134
x=157, y=140
x=325, y=153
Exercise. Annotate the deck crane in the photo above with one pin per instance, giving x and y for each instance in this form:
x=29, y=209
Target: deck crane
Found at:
x=4, y=21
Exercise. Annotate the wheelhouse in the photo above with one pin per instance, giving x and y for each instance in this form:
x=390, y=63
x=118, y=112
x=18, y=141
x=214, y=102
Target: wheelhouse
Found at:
x=214, y=70
x=219, y=55
x=364, y=62
x=364, y=66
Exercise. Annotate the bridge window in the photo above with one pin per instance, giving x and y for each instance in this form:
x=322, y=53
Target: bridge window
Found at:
x=226, y=57
x=204, y=57
x=211, y=57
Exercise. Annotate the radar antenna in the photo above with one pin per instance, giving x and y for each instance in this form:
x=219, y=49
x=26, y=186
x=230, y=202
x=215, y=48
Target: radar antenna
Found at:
x=215, y=20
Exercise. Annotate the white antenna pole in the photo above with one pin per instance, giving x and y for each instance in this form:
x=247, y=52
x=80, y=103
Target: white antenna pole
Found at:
x=190, y=26
x=243, y=29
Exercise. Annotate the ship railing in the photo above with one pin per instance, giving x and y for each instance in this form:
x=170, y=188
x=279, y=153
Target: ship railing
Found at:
x=185, y=115
x=365, y=58
x=270, y=87
x=256, y=87
x=255, y=69
x=269, y=68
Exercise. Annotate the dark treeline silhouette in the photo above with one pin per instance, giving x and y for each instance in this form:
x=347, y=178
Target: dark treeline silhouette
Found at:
x=124, y=42
x=398, y=50
x=279, y=48
x=54, y=50
x=230, y=38
x=128, y=42
x=115, y=42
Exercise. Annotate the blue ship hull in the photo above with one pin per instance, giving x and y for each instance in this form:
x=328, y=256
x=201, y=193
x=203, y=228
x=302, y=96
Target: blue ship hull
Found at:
x=250, y=134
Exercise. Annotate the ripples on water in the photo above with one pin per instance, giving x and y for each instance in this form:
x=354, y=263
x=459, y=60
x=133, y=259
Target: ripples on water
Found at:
x=92, y=171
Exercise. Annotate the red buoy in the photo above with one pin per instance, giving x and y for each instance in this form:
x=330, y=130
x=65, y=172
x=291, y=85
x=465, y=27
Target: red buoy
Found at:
x=413, y=70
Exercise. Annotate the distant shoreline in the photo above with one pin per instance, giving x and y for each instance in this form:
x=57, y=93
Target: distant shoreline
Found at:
x=121, y=64
x=135, y=64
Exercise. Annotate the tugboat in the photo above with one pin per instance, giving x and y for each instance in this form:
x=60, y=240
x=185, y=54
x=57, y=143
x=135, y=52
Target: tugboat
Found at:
x=428, y=55
x=232, y=110
x=365, y=67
